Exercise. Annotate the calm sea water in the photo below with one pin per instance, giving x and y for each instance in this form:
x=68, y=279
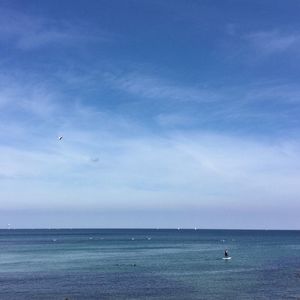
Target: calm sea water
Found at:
x=149, y=264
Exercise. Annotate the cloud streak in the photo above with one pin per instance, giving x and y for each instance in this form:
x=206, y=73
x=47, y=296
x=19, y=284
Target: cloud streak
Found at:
x=183, y=105
x=144, y=172
x=153, y=87
x=275, y=41
x=28, y=32
x=173, y=168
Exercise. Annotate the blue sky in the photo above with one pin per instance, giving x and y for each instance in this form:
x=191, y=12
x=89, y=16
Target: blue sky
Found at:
x=173, y=114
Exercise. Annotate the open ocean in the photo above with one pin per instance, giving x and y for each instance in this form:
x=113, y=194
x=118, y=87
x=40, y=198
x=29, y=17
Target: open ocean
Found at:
x=149, y=264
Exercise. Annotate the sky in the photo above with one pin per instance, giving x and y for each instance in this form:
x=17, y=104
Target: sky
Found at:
x=173, y=114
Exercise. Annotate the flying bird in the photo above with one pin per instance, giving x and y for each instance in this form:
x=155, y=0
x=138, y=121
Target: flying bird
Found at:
x=60, y=137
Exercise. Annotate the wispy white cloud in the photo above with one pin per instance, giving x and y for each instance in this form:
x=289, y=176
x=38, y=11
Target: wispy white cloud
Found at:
x=28, y=32
x=156, y=87
x=274, y=41
x=191, y=105
x=28, y=96
x=288, y=93
x=178, y=170
x=177, y=105
x=175, y=119
x=134, y=167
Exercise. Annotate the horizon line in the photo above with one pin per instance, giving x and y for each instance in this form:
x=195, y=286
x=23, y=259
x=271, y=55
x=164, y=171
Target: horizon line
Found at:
x=147, y=228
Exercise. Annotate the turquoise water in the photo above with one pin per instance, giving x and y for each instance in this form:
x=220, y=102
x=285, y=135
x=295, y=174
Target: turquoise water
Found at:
x=149, y=264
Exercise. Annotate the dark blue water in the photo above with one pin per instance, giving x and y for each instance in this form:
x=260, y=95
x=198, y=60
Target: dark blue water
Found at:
x=149, y=264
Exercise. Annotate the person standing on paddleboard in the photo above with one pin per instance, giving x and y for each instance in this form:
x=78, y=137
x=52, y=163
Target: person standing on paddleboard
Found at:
x=226, y=253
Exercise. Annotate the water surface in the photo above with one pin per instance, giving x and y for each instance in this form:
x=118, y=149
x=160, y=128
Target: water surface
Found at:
x=149, y=264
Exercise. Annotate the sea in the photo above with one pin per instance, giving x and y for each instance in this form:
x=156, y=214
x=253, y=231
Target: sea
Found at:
x=149, y=264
